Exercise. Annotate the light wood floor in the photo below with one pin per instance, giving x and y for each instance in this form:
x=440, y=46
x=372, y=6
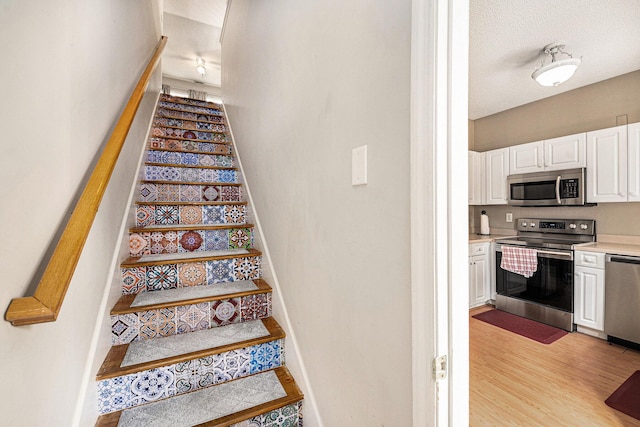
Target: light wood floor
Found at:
x=515, y=381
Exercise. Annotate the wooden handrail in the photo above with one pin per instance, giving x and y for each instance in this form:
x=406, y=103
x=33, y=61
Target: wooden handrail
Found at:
x=46, y=301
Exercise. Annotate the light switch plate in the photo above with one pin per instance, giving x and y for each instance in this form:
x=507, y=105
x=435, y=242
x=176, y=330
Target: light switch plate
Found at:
x=359, y=166
x=509, y=217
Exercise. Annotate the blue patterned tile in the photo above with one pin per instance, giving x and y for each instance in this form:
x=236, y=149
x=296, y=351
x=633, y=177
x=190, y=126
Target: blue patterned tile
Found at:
x=220, y=271
x=213, y=214
x=149, y=386
x=171, y=158
x=189, y=158
x=227, y=176
x=265, y=356
x=216, y=240
x=154, y=156
x=114, y=394
x=169, y=174
x=148, y=192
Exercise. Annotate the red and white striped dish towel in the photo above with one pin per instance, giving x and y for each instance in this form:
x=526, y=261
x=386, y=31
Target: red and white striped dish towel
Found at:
x=523, y=261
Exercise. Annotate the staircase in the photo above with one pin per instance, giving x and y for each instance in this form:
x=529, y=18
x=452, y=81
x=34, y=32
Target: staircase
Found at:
x=193, y=340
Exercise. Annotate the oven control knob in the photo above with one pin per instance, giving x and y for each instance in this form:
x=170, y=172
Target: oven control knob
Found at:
x=533, y=224
x=524, y=224
x=584, y=226
x=572, y=226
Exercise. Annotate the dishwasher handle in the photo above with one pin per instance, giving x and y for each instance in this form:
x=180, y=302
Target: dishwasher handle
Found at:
x=623, y=259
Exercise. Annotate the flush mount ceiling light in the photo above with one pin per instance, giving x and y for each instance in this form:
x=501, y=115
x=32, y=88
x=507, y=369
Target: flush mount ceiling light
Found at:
x=558, y=70
x=200, y=66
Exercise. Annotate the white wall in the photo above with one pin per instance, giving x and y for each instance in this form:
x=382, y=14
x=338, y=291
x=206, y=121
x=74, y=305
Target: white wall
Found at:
x=68, y=68
x=304, y=83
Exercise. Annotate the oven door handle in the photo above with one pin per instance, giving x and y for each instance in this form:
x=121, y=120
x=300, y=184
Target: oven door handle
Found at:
x=558, y=190
x=549, y=254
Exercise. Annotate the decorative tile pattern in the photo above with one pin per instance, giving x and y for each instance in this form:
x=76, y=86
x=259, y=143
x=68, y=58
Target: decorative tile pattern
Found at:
x=195, y=374
x=220, y=271
x=162, y=277
x=234, y=214
x=247, y=268
x=167, y=214
x=168, y=192
x=139, y=244
x=133, y=280
x=148, y=192
x=145, y=215
x=232, y=364
x=255, y=306
x=214, y=214
x=124, y=328
x=190, y=193
x=224, y=312
x=190, y=241
x=192, y=274
x=216, y=240
x=192, y=317
x=149, y=386
x=210, y=193
x=114, y=394
x=265, y=356
x=164, y=242
x=191, y=214
x=157, y=323
x=230, y=194
x=240, y=238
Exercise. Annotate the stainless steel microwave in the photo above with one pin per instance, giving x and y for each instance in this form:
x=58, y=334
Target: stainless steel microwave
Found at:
x=553, y=188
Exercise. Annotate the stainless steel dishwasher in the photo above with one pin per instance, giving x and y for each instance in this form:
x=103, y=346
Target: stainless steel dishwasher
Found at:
x=622, y=299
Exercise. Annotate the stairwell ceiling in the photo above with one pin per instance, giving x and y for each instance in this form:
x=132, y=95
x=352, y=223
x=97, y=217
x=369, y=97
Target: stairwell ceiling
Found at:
x=506, y=38
x=193, y=28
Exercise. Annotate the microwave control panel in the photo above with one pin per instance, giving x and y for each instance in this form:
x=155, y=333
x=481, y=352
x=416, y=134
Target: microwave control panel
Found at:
x=569, y=188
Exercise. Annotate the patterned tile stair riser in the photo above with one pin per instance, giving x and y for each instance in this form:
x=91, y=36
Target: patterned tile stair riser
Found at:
x=177, y=275
x=189, y=174
x=290, y=415
x=189, y=124
x=151, y=385
x=154, y=192
x=149, y=215
x=164, y=322
x=216, y=155
x=177, y=145
x=192, y=135
x=182, y=241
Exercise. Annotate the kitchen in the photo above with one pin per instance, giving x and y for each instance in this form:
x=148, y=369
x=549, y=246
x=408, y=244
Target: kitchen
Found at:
x=600, y=116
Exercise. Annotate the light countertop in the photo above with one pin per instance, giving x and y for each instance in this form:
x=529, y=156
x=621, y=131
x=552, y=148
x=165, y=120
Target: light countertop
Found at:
x=477, y=238
x=610, y=248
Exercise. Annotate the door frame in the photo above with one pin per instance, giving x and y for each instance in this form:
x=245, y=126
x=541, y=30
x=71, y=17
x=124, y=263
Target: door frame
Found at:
x=439, y=210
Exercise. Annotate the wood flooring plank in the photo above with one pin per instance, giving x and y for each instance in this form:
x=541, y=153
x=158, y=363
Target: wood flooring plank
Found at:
x=515, y=381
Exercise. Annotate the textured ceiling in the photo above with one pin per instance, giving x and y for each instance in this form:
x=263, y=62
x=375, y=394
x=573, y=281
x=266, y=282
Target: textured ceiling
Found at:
x=193, y=29
x=506, y=38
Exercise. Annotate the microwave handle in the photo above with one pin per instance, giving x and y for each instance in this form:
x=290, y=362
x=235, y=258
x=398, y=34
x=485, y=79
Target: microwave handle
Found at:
x=558, y=190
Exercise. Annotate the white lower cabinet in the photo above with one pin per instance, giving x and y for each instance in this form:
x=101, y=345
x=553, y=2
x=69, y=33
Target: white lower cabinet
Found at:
x=589, y=290
x=479, y=274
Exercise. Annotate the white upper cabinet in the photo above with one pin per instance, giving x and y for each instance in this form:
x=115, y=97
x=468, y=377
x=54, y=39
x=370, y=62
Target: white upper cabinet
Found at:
x=607, y=165
x=476, y=177
x=525, y=158
x=633, y=163
x=496, y=172
x=565, y=152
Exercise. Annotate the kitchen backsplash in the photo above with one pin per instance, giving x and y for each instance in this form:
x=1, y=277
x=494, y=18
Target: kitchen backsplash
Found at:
x=611, y=218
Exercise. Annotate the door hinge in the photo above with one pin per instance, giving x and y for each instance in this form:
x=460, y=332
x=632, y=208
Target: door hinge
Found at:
x=440, y=367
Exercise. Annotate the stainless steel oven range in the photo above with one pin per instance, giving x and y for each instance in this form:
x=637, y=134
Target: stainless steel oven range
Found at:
x=546, y=296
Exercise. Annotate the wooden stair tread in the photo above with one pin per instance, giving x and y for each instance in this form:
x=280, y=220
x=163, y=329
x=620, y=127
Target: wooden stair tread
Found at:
x=112, y=365
x=194, y=295
x=186, y=257
x=186, y=227
x=292, y=394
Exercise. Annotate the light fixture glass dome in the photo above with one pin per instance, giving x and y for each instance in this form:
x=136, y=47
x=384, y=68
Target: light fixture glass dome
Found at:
x=557, y=71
